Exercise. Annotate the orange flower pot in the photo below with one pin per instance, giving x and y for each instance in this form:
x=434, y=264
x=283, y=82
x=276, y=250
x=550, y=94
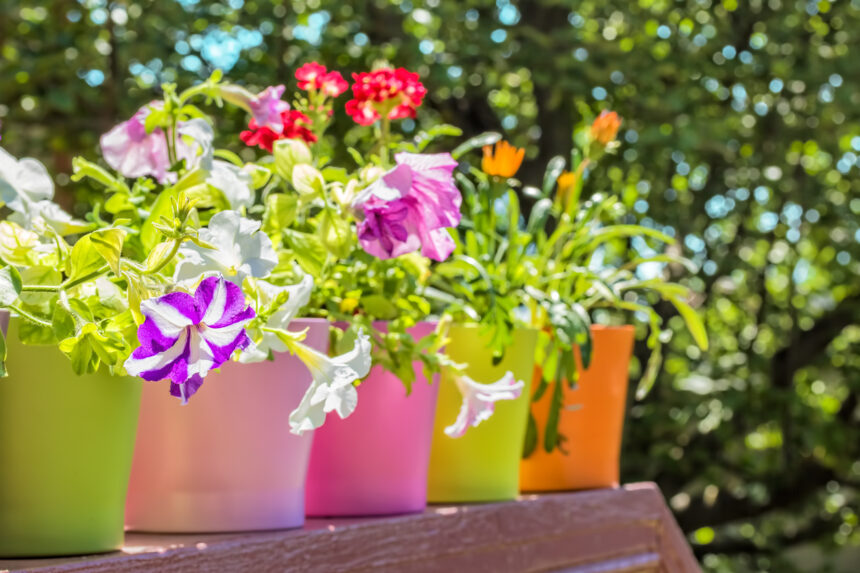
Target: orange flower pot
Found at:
x=592, y=420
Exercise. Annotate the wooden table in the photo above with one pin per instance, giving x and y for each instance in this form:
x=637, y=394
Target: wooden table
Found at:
x=613, y=530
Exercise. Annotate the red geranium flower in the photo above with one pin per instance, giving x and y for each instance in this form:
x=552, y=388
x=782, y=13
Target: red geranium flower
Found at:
x=295, y=126
x=395, y=93
x=314, y=76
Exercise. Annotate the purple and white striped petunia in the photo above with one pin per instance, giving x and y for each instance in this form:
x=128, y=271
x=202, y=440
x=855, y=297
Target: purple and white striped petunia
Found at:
x=184, y=336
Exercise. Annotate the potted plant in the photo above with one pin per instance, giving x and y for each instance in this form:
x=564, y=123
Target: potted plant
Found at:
x=490, y=344
x=178, y=279
x=65, y=440
x=394, y=203
x=580, y=381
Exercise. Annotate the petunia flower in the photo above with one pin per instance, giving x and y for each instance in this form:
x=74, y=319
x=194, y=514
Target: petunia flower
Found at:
x=23, y=182
x=411, y=206
x=239, y=250
x=184, y=337
x=332, y=387
x=265, y=107
x=264, y=339
x=27, y=189
x=133, y=152
x=233, y=182
x=479, y=400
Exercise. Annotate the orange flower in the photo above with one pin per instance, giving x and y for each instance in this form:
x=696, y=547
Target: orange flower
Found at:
x=605, y=127
x=566, y=182
x=566, y=187
x=504, y=161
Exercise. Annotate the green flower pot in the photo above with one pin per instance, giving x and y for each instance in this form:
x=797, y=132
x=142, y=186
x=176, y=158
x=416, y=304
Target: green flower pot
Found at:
x=484, y=464
x=66, y=444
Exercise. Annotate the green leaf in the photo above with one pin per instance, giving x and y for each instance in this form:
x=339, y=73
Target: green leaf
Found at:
x=280, y=212
x=531, y=439
x=335, y=234
x=693, y=321
x=10, y=285
x=81, y=168
x=162, y=206
x=378, y=306
x=540, y=213
x=288, y=154
x=84, y=260
x=554, y=168
x=308, y=250
x=307, y=180
x=108, y=243
x=481, y=140
x=356, y=156
x=551, y=437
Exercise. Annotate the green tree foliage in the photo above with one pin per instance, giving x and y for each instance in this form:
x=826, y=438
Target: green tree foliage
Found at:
x=741, y=138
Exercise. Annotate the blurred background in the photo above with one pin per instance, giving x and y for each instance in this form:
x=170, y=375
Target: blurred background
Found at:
x=741, y=138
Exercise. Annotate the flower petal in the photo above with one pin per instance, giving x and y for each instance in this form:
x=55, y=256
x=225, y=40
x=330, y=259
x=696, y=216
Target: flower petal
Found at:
x=479, y=400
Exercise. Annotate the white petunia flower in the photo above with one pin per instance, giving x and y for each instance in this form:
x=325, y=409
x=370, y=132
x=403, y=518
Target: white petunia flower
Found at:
x=27, y=188
x=240, y=250
x=267, y=293
x=332, y=388
x=23, y=182
x=233, y=182
x=479, y=400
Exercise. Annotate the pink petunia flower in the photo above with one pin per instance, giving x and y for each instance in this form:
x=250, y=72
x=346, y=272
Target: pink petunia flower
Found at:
x=267, y=107
x=411, y=207
x=131, y=151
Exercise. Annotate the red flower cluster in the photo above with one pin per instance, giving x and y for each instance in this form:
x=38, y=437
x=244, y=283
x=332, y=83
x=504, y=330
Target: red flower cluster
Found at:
x=296, y=125
x=314, y=76
x=394, y=92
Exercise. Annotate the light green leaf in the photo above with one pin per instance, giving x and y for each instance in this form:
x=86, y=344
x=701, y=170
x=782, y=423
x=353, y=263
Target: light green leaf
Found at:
x=693, y=321
x=84, y=260
x=307, y=180
x=308, y=250
x=335, y=234
x=554, y=168
x=280, y=213
x=108, y=243
x=481, y=140
x=288, y=154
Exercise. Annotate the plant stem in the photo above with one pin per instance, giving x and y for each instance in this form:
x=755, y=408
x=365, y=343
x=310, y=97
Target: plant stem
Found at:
x=166, y=260
x=30, y=317
x=65, y=285
x=384, y=136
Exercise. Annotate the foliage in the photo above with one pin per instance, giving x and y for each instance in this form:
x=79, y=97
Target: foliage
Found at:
x=740, y=138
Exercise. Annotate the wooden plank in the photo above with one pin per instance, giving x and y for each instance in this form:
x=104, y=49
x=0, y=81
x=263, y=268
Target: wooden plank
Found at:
x=629, y=529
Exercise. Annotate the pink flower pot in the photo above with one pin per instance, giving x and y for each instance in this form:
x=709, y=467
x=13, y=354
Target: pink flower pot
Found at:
x=375, y=462
x=226, y=461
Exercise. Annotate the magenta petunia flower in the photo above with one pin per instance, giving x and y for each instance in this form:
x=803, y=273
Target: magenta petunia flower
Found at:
x=184, y=336
x=411, y=206
x=131, y=151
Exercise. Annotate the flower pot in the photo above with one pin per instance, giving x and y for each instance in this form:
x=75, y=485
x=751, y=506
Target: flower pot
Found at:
x=375, y=461
x=592, y=420
x=484, y=464
x=66, y=445
x=226, y=461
